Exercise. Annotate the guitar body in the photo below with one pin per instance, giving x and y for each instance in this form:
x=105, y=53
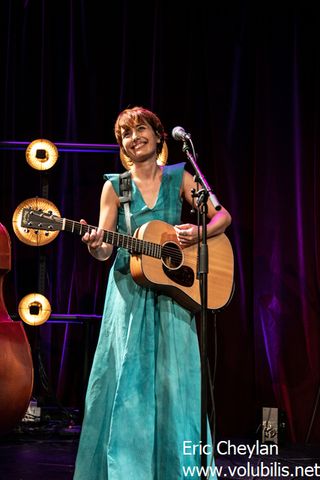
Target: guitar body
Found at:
x=175, y=273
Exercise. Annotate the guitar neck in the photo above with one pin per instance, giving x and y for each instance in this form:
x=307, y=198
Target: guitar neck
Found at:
x=117, y=239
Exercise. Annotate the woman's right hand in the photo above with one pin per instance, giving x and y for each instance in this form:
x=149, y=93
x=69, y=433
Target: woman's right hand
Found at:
x=94, y=241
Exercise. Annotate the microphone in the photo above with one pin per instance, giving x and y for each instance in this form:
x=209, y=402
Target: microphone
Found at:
x=179, y=133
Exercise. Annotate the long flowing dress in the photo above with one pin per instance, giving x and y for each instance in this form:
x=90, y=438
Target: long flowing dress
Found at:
x=143, y=398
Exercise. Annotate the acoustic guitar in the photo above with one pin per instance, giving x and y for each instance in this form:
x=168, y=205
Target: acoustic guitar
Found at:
x=157, y=260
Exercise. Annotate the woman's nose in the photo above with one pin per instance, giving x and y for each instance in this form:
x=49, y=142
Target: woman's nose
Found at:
x=135, y=134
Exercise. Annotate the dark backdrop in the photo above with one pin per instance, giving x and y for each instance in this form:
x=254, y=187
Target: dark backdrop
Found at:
x=245, y=83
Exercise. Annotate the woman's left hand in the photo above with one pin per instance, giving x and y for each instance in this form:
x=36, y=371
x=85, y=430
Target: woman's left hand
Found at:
x=187, y=233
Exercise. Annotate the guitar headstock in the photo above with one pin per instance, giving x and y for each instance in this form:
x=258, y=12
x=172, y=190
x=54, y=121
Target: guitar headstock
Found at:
x=40, y=220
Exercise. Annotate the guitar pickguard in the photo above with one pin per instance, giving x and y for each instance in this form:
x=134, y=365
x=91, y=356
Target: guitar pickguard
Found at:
x=183, y=276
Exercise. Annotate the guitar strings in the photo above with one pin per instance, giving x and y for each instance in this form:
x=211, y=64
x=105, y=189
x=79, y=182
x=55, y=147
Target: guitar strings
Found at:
x=171, y=251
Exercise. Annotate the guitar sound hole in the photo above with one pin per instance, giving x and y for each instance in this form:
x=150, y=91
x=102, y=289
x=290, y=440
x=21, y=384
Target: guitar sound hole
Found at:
x=171, y=255
x=172, y=264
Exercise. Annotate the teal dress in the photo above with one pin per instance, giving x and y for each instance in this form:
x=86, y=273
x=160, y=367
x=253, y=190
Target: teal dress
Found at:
x=143, y=397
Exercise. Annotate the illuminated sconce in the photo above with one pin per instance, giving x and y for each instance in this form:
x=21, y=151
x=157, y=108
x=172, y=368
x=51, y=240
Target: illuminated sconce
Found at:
x=41, y=154
x=33, y=237
x=34, y=309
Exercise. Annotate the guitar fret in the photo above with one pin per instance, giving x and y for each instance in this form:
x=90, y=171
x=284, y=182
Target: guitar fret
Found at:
x=107, y=237
x=136, y=247
x=66, y=224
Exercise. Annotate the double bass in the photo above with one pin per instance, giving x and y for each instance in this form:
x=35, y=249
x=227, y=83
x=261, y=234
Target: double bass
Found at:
x=16, y=366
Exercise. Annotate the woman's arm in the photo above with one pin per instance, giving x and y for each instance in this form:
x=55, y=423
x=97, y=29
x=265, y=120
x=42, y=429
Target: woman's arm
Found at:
x=109, y=204
x=187, y=233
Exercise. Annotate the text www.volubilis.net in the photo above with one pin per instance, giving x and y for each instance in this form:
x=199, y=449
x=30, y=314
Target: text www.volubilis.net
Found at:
x=262, y=470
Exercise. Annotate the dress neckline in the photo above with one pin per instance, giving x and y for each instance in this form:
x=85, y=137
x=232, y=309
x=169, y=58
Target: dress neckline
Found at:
x=159, y=191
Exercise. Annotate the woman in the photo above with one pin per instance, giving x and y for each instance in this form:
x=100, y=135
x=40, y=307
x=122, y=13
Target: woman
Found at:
x=143, y=398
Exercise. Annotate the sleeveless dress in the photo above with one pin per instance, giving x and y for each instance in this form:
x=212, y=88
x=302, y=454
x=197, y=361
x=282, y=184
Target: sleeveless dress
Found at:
x=143, y=398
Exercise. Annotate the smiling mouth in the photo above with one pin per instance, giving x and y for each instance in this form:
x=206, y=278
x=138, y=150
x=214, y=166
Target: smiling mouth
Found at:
x=138, y=146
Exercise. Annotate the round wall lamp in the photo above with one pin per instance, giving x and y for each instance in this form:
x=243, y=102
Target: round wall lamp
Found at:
x=41, y=154
x=34, y=238
x=34, y=309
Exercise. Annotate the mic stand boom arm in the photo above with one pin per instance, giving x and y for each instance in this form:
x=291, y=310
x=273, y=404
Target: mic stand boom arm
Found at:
x=202, y=196
x=201, y=178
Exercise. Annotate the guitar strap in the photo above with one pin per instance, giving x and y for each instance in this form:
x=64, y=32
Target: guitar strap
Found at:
x=125, y=189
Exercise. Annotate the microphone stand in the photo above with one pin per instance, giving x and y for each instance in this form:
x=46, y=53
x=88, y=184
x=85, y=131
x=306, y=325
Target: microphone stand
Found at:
x=202, y=202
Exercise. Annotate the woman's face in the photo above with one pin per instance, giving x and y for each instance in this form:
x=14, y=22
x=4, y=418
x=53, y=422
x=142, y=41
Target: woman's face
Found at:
x=139, y=141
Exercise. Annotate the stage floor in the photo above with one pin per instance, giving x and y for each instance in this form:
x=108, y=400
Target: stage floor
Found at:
x=49, y=454
x=37, y=458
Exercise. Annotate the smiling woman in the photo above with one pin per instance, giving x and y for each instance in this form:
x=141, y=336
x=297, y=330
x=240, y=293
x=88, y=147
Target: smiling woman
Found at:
x=143, y=398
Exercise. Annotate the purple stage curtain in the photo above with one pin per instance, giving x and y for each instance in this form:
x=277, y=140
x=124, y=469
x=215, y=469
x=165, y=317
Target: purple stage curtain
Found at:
x=245, y=84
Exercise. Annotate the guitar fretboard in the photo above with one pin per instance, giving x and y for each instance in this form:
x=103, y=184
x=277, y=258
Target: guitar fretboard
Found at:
x=117, y=239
